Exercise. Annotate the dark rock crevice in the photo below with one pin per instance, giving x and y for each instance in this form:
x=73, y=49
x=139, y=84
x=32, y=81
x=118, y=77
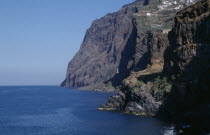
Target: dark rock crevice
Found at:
x=100, y=53
x=187, y=63
x=127, y=54
x=181, y=92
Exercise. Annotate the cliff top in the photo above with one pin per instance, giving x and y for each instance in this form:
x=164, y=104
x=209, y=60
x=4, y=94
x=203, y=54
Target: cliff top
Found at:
x=195, y=12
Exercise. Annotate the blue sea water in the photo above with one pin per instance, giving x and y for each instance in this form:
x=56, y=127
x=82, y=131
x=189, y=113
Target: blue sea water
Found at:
x=51, y=110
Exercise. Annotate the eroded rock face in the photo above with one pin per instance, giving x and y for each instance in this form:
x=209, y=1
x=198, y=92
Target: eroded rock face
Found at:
x=141, y=103
x=120, y=43
x=100, y=53
x=138, y=96
x=191, y=25
x=147, y=49
x=115, y=102
x=186, y=63
x=187, y=60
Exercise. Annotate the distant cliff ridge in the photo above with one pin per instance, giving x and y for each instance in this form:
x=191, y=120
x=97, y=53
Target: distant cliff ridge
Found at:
x=157, y=53
x=179, y=88
x=99, y=55
x=121, y=42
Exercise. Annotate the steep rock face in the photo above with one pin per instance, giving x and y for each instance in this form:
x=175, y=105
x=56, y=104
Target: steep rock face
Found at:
x=147, y=49
x=100, y=53
x=186, y=63
x=141, y=93
x=122, y=42
x=187, y=60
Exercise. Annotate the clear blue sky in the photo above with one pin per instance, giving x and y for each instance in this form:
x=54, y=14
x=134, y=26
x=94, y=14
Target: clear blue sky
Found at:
x=39, y=37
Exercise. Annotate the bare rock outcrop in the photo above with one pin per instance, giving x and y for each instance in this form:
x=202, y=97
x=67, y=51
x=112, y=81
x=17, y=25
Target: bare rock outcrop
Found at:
x=122, y=42
x=187, y=64
x=100, y=53
x=184, y=83
x=187, y=60
x=147, y=49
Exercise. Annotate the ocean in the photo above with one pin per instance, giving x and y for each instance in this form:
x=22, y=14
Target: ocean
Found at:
x=52, y=110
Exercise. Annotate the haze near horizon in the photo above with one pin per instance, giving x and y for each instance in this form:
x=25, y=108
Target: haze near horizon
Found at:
x=39, y=38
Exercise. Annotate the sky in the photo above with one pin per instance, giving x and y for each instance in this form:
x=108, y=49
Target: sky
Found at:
x=39, y=37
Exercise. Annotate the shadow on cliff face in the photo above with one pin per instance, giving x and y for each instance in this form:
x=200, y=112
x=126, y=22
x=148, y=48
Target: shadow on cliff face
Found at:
x=136, y=56
x=126, y=57
x=189, y=99
x=187, y=63
x=188, y=103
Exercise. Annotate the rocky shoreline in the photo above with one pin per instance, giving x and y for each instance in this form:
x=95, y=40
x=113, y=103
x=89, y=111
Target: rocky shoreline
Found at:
x=158, y=70
x=182, y=93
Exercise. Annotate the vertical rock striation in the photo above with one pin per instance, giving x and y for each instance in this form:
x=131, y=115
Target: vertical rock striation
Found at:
x=122, y=42
x=147, y=49
x=187, y=60
x=100, y=53
x=183, y=88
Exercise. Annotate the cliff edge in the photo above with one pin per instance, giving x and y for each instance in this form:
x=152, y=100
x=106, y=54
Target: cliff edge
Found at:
x=179, y=89
x=99, y=55
x=122, y=42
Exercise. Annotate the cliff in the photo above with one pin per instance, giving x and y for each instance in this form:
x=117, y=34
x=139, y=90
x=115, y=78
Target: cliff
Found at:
x=161, y=69
x=187, y=64
x=100, y=53
x=184, y=83
x=179, y=88
x=122, y=42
